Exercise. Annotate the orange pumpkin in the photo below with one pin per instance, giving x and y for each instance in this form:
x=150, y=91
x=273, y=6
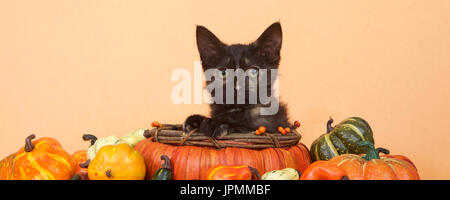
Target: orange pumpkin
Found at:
x=241, y=172
x=5, y=166
x=41, y=159
x=117, y=162
x=193, y=162
x=80, y=158
x=362, y=167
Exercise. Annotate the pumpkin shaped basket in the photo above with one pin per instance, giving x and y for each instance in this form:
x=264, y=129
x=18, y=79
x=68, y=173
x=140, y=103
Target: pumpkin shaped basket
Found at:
x=193, y=154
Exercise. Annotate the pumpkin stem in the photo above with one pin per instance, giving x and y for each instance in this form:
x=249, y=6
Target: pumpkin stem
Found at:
x=382, y=150
x=108, y=173
x=147, y=133
x=28, y=144
x=345, y=178
x=76, y=177
x=254, y=172
x=166, y=164
x=85, y=164
x=371, y=153
x=90, y=137
x=299, y=173
x=329, y=127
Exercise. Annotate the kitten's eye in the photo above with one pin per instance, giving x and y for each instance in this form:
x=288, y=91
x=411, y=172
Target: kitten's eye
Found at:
x=222, y=73
x=252, y=72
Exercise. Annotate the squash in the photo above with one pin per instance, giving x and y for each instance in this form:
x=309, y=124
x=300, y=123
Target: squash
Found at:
x=341, y=139
x=193, y=162
x=134, y=137
x=41, y=159
x=241, y=172
x=165, y=172
x=117, y=162
x=283, y=174
x=324, y=170
x=5, y=166
x=97, y=143
x=362, y=167
x=80, y=172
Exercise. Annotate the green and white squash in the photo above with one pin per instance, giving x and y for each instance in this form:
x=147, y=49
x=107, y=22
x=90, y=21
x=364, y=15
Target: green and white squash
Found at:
x=97, y=143
x=284, y=174
x=342, y=139
x=134, y=137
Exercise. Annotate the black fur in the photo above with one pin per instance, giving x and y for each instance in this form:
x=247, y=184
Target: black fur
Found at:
x=263, y=53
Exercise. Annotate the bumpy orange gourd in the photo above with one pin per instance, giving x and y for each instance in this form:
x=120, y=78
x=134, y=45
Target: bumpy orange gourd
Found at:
x=241, y=172
x=5, y=166
x=41, y=159
x=80, y=158
x=117, y=162
x=362, y=167
x=193, y=162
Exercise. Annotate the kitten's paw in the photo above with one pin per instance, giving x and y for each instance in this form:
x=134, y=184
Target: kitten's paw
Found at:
x=205, y=125
x=221, y=130
x=193, y=122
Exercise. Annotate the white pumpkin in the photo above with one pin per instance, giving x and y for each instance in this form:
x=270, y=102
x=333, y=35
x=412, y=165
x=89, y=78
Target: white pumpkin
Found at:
x=284, y=174
x=134, y=137
x=131, y=139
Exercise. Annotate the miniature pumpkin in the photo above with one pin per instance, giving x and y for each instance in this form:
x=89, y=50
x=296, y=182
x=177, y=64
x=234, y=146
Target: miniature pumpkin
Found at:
x=5, y=166
x=362, y=167
x=117, y=162
x=341, y=139
x=41, y=159
x=283, y=174
x=193, y=162
x=80, y=172
x=241, y=172
x=98, y=143
x=165, y=172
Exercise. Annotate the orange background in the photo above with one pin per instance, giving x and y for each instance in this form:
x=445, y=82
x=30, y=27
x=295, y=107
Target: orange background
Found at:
x=104, y=67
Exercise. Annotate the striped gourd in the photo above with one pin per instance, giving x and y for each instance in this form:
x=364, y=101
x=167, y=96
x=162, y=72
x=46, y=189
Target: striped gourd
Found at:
x=341, y=139
x=41, y=159
x=165, y=172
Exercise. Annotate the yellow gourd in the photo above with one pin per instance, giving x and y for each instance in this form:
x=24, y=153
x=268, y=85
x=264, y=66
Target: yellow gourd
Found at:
x=117, y=162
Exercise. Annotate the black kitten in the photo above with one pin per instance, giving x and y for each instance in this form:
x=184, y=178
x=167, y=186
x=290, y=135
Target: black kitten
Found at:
x=264, y=53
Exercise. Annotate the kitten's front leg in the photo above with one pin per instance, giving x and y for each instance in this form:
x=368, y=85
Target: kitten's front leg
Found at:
x=193, y=122
x=205, y=125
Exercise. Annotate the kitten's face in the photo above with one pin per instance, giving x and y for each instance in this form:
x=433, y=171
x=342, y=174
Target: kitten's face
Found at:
x=264, y=54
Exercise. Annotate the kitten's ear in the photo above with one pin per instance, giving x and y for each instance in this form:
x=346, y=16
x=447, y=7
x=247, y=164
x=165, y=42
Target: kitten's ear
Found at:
x=209, y=46
x=269, y=43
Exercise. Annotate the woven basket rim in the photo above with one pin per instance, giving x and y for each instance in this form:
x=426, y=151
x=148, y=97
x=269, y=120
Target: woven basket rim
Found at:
x=172, y=134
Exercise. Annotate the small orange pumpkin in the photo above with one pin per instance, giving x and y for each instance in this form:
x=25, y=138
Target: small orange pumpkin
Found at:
x=41, y=159
x=363, y=167
x=241, y=172
x=117, y=162
x=80, y=158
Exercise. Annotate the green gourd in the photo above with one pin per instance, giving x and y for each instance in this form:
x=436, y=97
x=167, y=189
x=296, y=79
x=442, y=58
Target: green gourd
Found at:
x=165, y=172
x=342, y=139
